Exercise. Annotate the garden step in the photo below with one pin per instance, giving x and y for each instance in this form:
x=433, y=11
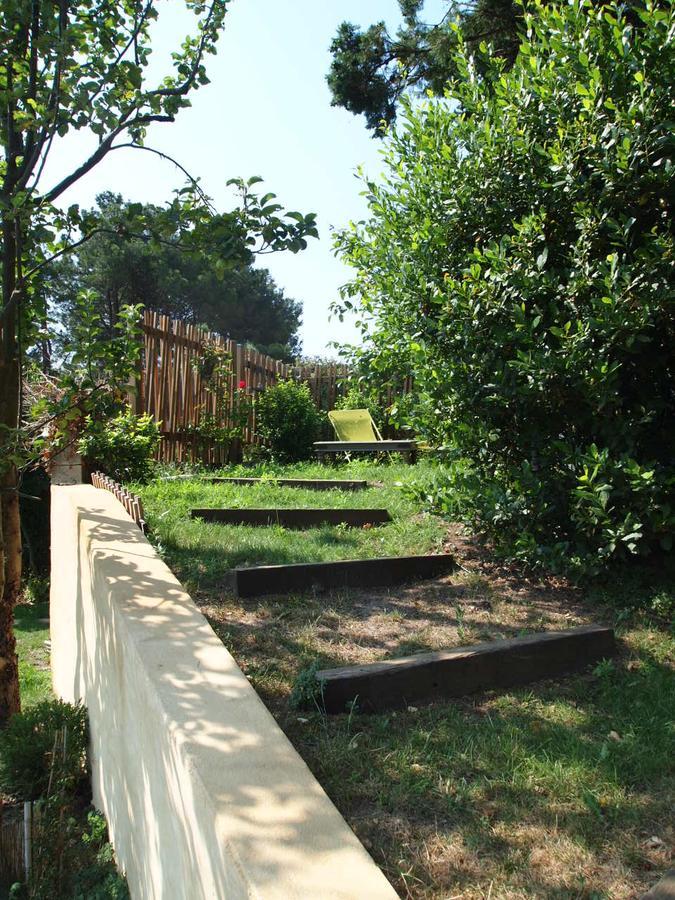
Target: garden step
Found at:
x=358, y=573
x=293, y=518
x=395, y=683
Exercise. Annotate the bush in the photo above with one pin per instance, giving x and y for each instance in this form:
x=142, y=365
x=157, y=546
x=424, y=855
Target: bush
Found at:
x=287, y=421
x=519, y=264
x=358, y=396
x=122, y=447
x=72, y=856
x=27, y=759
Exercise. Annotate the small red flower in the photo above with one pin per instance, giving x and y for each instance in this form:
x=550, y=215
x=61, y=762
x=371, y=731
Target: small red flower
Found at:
x=242, y=385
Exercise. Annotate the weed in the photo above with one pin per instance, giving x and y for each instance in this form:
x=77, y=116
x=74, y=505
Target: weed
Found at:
x=307, y=691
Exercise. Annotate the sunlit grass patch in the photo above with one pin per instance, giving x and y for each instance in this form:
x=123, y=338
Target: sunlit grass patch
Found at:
x=32, y=631
x=201, y=552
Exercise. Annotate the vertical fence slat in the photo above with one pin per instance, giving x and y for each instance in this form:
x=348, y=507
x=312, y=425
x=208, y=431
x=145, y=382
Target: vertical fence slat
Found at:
x=175, y=393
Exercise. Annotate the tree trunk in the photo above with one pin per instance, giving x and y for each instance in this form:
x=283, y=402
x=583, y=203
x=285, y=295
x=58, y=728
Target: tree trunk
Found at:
x=10, y=582
x=10, y=522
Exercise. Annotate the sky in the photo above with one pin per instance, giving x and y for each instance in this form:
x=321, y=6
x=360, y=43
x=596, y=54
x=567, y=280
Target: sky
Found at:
x=266, y=112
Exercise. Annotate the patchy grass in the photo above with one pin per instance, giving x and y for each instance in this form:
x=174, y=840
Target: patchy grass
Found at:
x=200, y=553
x=561, y=789
x=32, y=633
x=548, y=792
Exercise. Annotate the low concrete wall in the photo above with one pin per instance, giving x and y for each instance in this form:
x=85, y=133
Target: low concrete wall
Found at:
x=204, y=795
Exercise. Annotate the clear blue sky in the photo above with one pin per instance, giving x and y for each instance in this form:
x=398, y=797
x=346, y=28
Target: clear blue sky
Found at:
x=266, y=112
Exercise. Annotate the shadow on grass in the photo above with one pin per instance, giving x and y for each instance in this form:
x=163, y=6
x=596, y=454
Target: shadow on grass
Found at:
x=208, y=565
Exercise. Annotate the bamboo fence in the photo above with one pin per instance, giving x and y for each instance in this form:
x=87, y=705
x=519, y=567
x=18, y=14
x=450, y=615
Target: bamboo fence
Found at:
x=171, y=388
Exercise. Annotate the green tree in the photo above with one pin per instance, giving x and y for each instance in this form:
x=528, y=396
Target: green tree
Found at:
x=372, y=69
x=519, y=263
x=241, y=302
x=71, y=65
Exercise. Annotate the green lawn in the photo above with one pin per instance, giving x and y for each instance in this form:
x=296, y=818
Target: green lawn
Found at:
x=32, y=633
x=201, y=553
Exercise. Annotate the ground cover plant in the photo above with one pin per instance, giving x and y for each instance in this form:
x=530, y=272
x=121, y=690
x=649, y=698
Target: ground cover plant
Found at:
x=201, y=553
x=560, y=789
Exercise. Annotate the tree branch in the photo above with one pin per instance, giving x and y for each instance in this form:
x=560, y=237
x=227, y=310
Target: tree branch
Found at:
x=123, y=52
x=103, y=148
x=183, y=88
x=48, y=130
x=165, y=156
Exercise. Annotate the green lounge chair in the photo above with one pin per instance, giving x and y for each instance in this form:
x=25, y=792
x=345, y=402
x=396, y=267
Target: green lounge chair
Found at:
x=357, y=433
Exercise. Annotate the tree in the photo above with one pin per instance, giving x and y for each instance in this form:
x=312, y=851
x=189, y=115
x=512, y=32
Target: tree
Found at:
x=71, y=65
x=240, y=302
x=372, y=69
x=519, y=262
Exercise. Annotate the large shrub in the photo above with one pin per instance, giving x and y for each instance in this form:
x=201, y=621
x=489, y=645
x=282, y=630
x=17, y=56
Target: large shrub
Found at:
x=519, y=263
x=287, y=421
x=123, y=446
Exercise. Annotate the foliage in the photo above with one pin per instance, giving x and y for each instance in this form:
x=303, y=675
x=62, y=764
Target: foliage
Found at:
x=519, y=263
x=123, y=447
x=371, y=70
x=307, y=691
x=287, y=420
x=239, y=302
x=72, y=856
x=99, y=880
x=359, y=396
x=231, y=411
x=68, y=70
x=43, y=758
x=46, y=744
x=93, y=379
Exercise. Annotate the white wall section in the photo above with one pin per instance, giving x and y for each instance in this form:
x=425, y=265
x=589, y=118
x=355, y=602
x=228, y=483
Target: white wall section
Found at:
x=204, y=795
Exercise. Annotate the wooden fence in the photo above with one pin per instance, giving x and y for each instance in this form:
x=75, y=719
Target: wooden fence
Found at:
x=132, y=503
x=172, y=388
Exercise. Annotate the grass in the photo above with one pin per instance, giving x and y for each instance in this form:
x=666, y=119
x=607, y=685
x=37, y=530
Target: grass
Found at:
x=32, y=633
x=562, y=789
x=552, y=791
x=200, y=553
